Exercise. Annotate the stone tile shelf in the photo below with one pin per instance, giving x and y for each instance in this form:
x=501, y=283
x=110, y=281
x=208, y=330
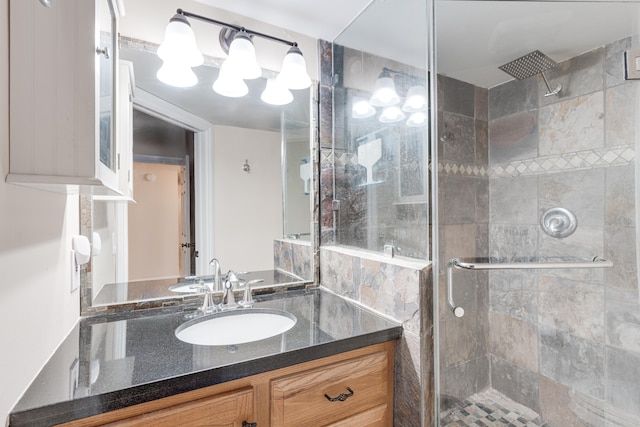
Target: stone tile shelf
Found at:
x=115, y=361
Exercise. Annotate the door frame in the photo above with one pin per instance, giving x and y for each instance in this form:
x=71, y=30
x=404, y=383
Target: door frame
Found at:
x=203, y=173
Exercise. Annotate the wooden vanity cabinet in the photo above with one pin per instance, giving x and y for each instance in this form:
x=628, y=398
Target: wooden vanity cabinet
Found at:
x=348, y=389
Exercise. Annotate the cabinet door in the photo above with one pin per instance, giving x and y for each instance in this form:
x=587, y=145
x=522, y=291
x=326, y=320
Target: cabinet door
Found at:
x=328, y=394
x=376, y=417
x=225, y=410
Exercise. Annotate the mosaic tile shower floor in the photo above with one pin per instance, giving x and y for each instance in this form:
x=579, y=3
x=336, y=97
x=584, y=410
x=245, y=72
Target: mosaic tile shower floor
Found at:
x=487, y=409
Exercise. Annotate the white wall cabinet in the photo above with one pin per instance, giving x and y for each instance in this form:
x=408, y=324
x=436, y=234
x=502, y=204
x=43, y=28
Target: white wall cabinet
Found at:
x=63, y=96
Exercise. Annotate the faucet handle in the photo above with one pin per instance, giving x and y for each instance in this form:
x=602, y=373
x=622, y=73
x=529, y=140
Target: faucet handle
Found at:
x=247, y=300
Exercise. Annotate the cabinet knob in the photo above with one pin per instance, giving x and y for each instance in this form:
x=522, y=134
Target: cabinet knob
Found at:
x=246, y=424
x=340, y=398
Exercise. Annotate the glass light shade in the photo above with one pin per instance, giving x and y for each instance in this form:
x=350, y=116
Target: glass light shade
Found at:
x=416, y=100
x=242, y=58
x=391, y=114
x=293, y=74
x=276, y=94
x=179, y=43
x=361, y=109
x=417, y=119
x=176, y=74
x=230, y=85
x=384, y=93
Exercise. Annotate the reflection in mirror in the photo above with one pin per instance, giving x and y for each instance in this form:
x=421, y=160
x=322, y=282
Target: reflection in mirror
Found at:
x=229, y=178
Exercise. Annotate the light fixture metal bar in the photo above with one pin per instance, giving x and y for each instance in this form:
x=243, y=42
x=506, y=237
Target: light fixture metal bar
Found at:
x=235, y=27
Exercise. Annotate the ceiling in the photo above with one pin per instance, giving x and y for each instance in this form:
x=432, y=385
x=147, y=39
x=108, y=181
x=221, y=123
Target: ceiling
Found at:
x=473, y=37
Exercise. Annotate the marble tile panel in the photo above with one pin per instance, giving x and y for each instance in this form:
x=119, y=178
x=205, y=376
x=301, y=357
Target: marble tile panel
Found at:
x=340, y=273
x=457, y=202
x=620, y=248
x=481, y=103
x=513, y=137
x=482, y=142
x=325, y=50
x=458, y=96
x=407, y=381
x=572, y=125
x=461, y=381
x=301, y=255
x=578, y=76
x=561, y=406
x=621, y=113
x=614, y=62
x=326, y=116
x=584, y=244
x=513, y=97
x=462, y=340
x=391, y=290
x=482, y=203
x=514, y=293
x=573, y=361
x=582, y=192
x=623, y=379
x=513, y=242
x=457, y=135
x=514, y=340
x=514, y=200
x=572, y=307
x=620, y=209
x=623, y=324
x=519, y=384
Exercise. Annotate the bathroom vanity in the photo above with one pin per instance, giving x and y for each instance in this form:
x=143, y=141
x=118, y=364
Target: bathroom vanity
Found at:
x=333, y=367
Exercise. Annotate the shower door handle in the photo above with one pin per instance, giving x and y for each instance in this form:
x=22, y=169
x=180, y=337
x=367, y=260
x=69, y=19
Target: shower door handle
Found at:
x=457, y=311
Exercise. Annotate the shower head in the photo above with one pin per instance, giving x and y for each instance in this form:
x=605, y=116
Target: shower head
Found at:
x=529, y=65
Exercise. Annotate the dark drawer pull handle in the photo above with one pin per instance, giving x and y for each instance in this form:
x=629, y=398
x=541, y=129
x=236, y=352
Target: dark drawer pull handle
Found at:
x=246, y=424
x=341, y=398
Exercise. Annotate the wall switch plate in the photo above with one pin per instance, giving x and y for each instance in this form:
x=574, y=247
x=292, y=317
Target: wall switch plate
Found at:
x=632, y=65
x=75, y=272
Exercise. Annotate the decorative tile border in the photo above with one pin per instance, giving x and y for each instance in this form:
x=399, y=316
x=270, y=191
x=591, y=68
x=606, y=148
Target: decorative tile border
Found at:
x=589, y=159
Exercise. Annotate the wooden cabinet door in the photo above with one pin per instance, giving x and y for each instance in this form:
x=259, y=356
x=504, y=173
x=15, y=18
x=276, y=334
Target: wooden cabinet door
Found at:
x=375, y=417
x=325, y=395
x=224, y=410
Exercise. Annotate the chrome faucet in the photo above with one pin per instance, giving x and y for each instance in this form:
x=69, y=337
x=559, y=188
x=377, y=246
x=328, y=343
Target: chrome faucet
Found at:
x=247, y=300
x=208, y=305
x=217, y=274
x=228, y=299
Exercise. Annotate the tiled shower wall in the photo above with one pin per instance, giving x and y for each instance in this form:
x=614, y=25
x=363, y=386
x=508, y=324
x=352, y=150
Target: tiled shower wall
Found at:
x=562, y=342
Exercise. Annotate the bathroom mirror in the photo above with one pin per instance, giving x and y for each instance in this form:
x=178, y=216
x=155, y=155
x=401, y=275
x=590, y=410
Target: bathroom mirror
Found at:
x=229, y=178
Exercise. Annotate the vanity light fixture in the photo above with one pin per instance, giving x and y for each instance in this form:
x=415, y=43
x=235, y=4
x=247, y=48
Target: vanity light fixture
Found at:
x=416, y=100
x=178, y=54
x=361, y=108
x=384, y=91
x=391, y=114
x=417, y=119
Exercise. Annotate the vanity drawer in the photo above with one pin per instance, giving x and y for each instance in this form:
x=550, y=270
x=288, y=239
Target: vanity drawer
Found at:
x=360, y=384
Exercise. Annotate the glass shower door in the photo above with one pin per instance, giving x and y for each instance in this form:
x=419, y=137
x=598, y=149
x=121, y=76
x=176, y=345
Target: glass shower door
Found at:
x=537, y=346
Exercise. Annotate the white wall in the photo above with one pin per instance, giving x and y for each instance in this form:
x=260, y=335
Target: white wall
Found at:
x=247, y=206
x=37, y=309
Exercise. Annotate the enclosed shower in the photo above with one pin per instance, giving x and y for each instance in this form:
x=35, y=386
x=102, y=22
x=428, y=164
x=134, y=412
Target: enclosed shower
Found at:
x=520, y=188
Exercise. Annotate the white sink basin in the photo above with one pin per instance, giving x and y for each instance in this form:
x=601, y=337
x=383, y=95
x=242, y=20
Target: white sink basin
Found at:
x=236, y=326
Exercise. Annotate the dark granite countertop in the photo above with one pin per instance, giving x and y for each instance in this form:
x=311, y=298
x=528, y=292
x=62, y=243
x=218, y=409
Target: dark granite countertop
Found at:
x=111, y=362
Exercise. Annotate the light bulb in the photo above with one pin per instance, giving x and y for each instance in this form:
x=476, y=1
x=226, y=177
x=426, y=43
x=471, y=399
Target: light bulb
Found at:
x=176, y=74
x=391, y=114
x=416, y=100
x=361, y=109
x=242, y=58
x=384, y=93
x=179, y=43
x=293, y=73
x=230, y=85
x=276, y=94
x=417, y=119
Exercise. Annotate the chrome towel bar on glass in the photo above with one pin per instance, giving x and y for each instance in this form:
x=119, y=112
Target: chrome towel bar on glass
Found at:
x=596, y=262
